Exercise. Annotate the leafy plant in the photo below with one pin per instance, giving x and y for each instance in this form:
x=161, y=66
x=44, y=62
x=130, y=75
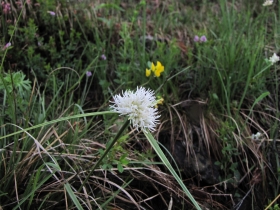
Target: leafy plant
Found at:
x=14, y=86
x=111, y=158
x=229, y=161
x=15, y=81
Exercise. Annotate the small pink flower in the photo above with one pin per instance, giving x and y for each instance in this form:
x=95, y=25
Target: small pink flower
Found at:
x=203, y=39
x=7, y=45
x=51, y=13
x=196, y=38
x=89, y=74
x=6, y=7
x=103, y=57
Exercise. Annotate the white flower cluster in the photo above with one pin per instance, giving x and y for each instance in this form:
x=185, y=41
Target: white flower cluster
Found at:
x=256, y=136
x=139, y=106
x=274, y=58
x=268, y=3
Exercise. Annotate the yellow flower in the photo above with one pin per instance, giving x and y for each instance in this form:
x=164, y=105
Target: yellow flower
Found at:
x=159, y=69
x=153, y=68
x=148, y=72
x=159, y=102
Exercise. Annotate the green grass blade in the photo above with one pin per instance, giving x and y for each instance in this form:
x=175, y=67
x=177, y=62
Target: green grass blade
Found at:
x=163, y=158
x=58, y=120
x=33, y=181
x=261, y=97
x=31, y=194
x=73, y=196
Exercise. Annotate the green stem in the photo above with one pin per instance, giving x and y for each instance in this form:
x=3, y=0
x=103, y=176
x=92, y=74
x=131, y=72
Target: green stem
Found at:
x=105, y=153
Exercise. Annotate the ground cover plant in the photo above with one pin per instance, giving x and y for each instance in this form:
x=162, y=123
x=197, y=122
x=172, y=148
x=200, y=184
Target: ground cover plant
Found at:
x=139, y=104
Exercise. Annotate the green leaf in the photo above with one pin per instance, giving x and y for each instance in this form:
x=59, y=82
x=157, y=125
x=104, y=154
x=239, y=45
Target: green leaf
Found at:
x=123, y=138
x=261, y=97
x=120, y=168
x=73, y=196
x=215, y=96
x=124, y=161
x=104, y=166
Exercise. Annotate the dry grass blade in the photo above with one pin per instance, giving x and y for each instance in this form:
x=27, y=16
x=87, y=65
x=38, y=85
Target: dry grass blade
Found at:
x=131, y=199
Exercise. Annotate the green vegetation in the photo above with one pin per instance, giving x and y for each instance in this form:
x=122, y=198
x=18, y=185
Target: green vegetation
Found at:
x=214, y=68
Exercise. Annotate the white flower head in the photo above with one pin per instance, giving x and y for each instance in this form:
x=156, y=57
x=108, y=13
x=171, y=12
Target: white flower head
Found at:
x=268, y=3
x=256, y=136
x=274, y=58
x=139, y=106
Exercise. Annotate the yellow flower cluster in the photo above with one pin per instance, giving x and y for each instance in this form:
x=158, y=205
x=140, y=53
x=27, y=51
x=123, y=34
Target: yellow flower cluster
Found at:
x=157, y=70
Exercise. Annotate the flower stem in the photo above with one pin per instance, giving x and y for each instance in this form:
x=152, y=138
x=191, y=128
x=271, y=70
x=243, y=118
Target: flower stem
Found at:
x=105, y=153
